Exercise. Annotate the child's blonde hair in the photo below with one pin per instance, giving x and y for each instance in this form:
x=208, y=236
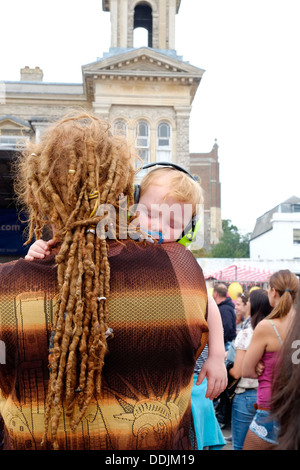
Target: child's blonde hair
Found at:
x=180, y=186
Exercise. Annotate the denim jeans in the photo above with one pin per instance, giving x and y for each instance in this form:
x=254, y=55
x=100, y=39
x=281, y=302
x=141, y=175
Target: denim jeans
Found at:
x=264, y=426
x=242, y=413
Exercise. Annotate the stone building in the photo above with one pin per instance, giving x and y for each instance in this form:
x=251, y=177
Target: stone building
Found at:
x=145, y=92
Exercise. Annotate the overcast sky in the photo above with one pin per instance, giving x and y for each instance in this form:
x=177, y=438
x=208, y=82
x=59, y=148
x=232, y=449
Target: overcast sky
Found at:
x=248, y=99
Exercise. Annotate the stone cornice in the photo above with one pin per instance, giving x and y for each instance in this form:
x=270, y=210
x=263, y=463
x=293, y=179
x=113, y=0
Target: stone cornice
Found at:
x=142, y=75
x=91, y=78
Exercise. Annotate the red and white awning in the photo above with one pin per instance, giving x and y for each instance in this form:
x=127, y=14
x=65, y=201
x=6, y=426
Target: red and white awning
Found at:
x=240, y=273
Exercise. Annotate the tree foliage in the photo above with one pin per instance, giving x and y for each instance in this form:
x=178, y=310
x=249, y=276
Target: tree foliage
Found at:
x=232, y=244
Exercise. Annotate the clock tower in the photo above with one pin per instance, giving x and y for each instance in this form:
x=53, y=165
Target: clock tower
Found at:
x=145, y=91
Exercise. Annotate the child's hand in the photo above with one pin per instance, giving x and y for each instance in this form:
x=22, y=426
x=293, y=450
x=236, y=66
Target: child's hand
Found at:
x=215, y=372
x=39, y=250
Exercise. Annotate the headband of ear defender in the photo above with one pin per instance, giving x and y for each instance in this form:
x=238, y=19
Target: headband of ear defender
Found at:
x=168, y=164
x=189, y=233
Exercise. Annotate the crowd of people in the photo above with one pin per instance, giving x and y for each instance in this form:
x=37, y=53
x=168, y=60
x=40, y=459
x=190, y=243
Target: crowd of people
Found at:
x=112, y=340
x=255, y=403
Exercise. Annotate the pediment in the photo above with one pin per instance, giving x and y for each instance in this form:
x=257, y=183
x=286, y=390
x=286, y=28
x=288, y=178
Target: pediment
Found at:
x=14, y=124
x=143, y=60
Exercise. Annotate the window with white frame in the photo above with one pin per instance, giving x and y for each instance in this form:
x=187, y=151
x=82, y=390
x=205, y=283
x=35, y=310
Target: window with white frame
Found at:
x=143, y=141
x=163, y=147
x=11, y=142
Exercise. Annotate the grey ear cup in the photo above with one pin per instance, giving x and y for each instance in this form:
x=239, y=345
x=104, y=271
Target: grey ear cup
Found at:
x=136, y=193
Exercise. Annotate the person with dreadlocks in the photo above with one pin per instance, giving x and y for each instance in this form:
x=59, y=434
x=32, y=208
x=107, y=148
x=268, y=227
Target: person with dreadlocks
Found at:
x=128, y=318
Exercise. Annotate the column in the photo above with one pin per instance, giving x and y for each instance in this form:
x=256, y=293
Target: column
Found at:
x=172, y=14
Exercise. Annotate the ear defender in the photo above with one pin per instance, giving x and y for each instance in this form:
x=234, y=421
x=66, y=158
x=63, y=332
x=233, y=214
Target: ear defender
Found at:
x=136, y=193
x=170, y=165
x=190, y=231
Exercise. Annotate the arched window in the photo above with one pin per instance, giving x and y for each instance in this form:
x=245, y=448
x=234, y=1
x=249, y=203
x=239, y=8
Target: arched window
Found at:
x=143, y=141
x=164, y=144
x=120, y=127
x=143, y=19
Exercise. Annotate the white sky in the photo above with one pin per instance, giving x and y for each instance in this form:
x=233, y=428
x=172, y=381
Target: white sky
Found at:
x=248, y=99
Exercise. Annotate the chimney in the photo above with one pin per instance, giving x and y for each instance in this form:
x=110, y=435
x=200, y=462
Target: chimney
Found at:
x=31, y=75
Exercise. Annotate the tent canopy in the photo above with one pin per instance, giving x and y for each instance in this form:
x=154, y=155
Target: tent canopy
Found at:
x=240, y=273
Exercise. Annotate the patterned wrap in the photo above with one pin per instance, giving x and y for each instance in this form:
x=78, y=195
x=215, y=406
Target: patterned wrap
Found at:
x=157, y=309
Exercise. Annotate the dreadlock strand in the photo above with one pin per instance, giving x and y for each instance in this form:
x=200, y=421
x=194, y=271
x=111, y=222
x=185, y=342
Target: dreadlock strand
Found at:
x=71, y=194
x=60, y=207
x=66, y=307
x=78, y=317
x=75, y=213
x=91, y=165
x=111, y=172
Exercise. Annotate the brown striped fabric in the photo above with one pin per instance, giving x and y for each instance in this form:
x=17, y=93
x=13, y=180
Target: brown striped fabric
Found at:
x=157, y=309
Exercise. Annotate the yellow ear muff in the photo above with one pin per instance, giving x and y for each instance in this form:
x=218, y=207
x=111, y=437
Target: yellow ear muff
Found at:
x=189, y=235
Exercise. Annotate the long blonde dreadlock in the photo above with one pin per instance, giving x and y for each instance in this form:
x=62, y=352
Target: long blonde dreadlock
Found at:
x=77, y=166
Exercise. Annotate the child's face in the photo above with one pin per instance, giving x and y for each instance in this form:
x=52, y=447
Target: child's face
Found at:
x=158, y=213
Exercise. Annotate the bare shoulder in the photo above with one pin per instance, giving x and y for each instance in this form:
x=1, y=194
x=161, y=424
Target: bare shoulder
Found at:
x=262, y=327
x=261, y=336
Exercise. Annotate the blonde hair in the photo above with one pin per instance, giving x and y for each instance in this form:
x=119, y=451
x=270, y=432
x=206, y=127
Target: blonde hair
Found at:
x=180, y=186
x=61, y=180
